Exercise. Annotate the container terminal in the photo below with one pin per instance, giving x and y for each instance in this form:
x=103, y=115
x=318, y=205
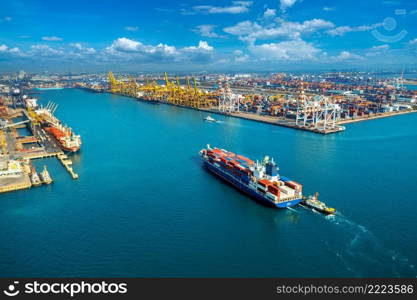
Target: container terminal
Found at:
x=49, y=138
x=312, y=106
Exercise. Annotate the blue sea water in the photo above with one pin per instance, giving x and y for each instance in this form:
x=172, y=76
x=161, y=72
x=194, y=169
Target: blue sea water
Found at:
x=143, y=206
x=411, y=87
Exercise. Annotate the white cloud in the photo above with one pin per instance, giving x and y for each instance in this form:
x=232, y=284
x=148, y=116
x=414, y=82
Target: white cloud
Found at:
x=127, y=49
x=413, y=42
x=81, y=49
x=132, y=28
x=328, y=8
x=240, y=56
x=237, y=7
x=207, y=31
x=377, y=50
x=346, y=56
x=6, y=50
x=380, y=47
x=44, y=50
x=295, y=50
x=124, y=45
x=284, y=4
x=342, y=30
x=269, y=13
x=202, y=45
x=51, y=38
x=251, y=31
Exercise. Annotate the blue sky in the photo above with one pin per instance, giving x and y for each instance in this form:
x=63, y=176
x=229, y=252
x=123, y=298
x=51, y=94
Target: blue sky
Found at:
x=207, y=35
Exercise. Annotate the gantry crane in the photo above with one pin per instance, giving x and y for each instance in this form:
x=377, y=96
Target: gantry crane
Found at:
x=172, y=92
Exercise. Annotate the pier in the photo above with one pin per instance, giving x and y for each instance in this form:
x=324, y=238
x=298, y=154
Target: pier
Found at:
x=24, y=149
x=19, y=184
x=66, y=162
x=308, y=111
x=274, y=121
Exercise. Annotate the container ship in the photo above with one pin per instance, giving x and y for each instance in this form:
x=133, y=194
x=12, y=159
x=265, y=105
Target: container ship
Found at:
x=260, y=180
x=66, y=139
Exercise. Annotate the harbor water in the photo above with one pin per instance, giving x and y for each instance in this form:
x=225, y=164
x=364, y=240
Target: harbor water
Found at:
x=144, y=206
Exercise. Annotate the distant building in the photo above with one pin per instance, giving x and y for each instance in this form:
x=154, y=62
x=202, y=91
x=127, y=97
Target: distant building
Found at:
x=21, y=75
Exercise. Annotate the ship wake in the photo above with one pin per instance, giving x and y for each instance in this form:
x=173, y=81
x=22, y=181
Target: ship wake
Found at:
x=363, y=255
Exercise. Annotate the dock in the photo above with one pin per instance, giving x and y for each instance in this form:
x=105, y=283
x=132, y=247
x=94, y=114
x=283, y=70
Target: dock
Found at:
x=19, y=184
x=274, y=121
x=377, y=116
x=24, y=149
x=66, y=162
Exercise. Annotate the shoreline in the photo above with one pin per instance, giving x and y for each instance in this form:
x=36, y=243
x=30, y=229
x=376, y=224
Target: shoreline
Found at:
x=377, y=116
x=272, y=120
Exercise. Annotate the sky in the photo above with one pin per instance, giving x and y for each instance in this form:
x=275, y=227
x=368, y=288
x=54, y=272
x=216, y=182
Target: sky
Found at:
x=207, y=35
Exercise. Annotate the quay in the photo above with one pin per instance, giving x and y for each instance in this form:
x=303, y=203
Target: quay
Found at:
x=377, y=116
x=289, y=123
x=23, y=183
x=17, y=153
x=322, y=112
x=274, y=121
x=66, y=162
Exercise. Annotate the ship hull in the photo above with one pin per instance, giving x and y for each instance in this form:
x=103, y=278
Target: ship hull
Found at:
x=60, y=144
x=323, y=211
x=247, y=190
x=70, y=150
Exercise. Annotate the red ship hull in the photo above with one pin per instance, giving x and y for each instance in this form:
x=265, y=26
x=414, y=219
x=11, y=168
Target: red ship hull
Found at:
x=58, y=135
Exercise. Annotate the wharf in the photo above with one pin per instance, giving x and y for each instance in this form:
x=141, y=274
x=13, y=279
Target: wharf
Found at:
x=16, y=184
x=64, y=159
x=38, y=145
x=257, y=118
x=273, y=121
x=377, y=116
x=67, y=164
x=291, y=123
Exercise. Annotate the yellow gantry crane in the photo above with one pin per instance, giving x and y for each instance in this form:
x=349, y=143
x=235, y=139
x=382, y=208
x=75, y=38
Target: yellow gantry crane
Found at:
x=3, y=142
x=114, y=85
x=172, y=92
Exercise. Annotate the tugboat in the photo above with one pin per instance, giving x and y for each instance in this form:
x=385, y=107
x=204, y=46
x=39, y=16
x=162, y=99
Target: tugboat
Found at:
x=314, y=203
x=209, y=119
x=45, y=177
x=34, y=178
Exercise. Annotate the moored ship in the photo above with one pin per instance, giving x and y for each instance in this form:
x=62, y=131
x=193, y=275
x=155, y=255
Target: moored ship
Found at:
x=260, y=180
x=45, y=177
x=67, y=140
x=63, y=135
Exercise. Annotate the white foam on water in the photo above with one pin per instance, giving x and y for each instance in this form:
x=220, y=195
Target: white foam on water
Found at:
x=364, y=252
x=292, y=209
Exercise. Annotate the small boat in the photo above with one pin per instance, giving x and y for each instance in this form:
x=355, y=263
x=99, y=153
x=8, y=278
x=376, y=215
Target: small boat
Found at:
x=34, y=178
x=314, y=203
x=45, y=177
x=209, y=119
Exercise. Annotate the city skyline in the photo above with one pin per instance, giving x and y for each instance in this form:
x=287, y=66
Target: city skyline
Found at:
x=207, y=35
